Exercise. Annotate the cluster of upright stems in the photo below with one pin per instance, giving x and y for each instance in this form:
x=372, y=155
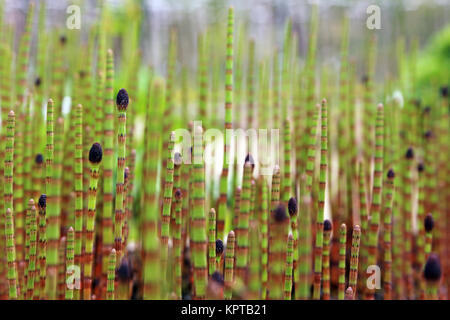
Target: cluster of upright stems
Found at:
x=91, y=208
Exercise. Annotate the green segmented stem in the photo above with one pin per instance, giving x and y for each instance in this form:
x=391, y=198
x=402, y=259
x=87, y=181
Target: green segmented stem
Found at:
x=354, y=259
x=376, y=194
x=275, y=191
x=229, y=266
x=428, y=244
x=165, y=223
x=61, y=277
x=70, y=255
x=320, y=212
x=52, y=214
x=387, y=226
x=39, y=292
x=254, y=265
x=19, y=210
x=111, y=275
x=228, y=124
x=421, y=216
x=121, y=153
x=278, y=233
x=243, y=224
x=289, y=268
x=150, y=239
x=8, y=200
x=286, y=182
x=90, y=229
x=251, y=84
x=202, y=77
x=31, y=267
x=264, y=237
x=326, y=264
x=78, y=175
x=11, y=256
x=198, y=232
x=58, y=167
x=178, y=245
x=108, y=164
x=341, y=263
x=407, y=202
x=304, y=239
x=237, y=206
x=363, y=217
x=212, y=241
x=28, y=149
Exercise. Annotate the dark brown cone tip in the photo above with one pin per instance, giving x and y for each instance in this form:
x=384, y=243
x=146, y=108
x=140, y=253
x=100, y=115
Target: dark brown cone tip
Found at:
x=42, y=201
x=428, y=223
x=122, y=100
x=432, y=270
x=391, y=174
x=409, y=153
x=124, y=272
x=178, y=194
x=444, y=91
x=249, y=159
x=292, y=206
x=37, y=82
x=420, y=167
x=279, y=213
x=39, y=159
x=63, y=39
x=327, y=226
x=428, y=134
x=96, y=153
x=217, y=277
x=219, y=247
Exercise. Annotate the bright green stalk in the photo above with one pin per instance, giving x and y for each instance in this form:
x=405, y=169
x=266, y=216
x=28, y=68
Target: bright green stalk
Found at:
x=39, y=292
x=122, y=105
x=387, y=263
x=212, y=241
x=111, y=275
x=78, y=174
x=108, y=164
x=19, y=210
x=70, y=252
x=376, y=194
x=198, y=234
x=95, y=157
x=288, y=271
x=165, y=223
x=202, y=77
x=407, y=202
x=341, y=266
x=150, y=239
x=243, y=223
x=8, y=199
x=61, y=278
x=178, y=246
x=251, y=84
x=229, y=266
x=363, y=217
x=304, y=240
x=320, y=212
x=11, y=256
x=31, y=271
x=264, y=238
x=58, y=167
x=254, y=265
x=354, y=258
x=278, y=233
x=327, y=228
x=286, y=182
x=228, y=124
x=52, y=214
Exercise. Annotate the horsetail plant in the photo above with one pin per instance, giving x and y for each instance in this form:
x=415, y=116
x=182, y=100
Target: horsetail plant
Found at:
x=95, y=157
x=288, y=269
x=122, y=100
x=376, y=194
x=70, y=255
x=327, y=230
x=178, y=245
x=31, y=267
x=211, y=242
x=11, y=256
x=221, y=214
x=354, y=259
x=39, y=292
x=78, y=175
x=111, y=275
x=342, y=262
x=388, y=235
x=229, y=266
x=320, y=212
x=432, y=274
